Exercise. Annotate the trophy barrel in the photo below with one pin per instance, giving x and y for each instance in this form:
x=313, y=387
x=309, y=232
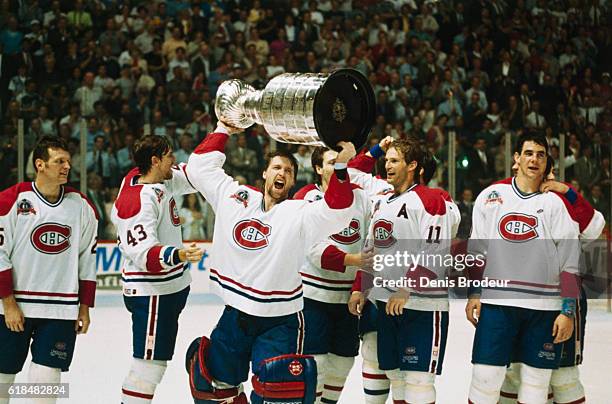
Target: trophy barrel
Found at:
x=303, y=108
x=318, y=109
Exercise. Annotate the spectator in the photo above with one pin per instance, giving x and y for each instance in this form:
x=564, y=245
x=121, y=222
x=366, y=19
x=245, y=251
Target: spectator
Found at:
x=242, y=160
x=192, y=219
x=305, y=171
x=101, y=162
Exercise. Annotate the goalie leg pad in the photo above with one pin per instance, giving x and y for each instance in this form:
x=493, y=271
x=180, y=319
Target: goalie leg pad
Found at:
x=285, y=379
x=204, y=388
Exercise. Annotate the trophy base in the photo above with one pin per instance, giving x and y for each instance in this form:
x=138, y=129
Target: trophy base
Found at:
x=344, y=109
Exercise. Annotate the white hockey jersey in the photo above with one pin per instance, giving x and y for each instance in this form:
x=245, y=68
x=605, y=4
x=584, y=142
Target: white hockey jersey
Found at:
x=256, y=254
x=47, y=251
x=528, y=240
x=419, y=224
x=149, y=232
x=324, y=274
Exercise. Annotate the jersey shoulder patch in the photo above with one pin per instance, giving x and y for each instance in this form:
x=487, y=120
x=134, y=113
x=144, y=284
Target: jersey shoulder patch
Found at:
x=432, y=200
x=128, y=201
x=10, y=195
x=69, y=190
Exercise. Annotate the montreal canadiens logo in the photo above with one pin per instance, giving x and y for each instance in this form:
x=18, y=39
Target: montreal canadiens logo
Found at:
x=518, y=227
x=348, y=235
x=296, y=368
x=251, y=234
x=51, y=238
x=174, y=214
x=383, y=234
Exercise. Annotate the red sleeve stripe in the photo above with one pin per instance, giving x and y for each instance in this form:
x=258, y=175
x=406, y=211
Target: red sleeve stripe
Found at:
x=87, y=292
x=333, y=259
x=363, y=163
x=357, y=283
x=6, y=283
x=153, y=264
x=339, y=195
x=570, y=285
x=212, y=142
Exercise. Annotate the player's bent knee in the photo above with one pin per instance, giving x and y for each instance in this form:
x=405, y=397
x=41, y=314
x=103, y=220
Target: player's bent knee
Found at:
x=285, y=379
x=486, y=383
x=338, y=367
x=534, y=384
x=204, y=389
x=369, y=347
x=419, y=387
x=566, y=385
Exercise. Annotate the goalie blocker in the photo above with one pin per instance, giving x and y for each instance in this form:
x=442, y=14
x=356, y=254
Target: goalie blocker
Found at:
x=289, y=379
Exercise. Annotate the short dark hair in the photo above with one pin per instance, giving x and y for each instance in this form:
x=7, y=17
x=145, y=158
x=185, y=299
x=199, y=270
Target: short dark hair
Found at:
x=536, y=137
x=147, y=147
x=429, y=167
x=549, y=164
x=41, y=150
x=413, y=151
x=316, y=159
x=284, y=154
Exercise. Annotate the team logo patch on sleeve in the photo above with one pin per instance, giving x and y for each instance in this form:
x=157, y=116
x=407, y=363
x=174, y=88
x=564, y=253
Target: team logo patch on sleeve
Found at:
x=174, y=214
x=242, y=197
x=24, y=207
x=348, y=235
x=518, y=227
x=51, y=238
x=159, y=194
x=383, y=234
x=251, y=234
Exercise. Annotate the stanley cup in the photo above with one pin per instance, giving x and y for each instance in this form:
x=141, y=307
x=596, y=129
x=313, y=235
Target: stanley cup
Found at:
x=303, y=108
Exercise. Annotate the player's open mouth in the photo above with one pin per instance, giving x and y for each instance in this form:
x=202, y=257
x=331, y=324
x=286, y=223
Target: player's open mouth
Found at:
x=278, y=184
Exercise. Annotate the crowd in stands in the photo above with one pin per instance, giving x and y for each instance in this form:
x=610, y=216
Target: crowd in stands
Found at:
x=483, y=69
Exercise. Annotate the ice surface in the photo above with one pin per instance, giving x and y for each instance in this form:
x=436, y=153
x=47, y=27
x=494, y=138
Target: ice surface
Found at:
x=103, y=355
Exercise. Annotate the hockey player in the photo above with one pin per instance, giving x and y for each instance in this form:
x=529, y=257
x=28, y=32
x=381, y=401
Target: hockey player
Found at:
x=328, y=274
x=155, y=278
x=47, y=269
x=565, y=381
x=513, y=222
x=422, y=220
x=258, y=248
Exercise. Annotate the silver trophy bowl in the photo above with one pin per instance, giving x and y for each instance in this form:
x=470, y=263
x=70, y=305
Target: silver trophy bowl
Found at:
x=303, y=108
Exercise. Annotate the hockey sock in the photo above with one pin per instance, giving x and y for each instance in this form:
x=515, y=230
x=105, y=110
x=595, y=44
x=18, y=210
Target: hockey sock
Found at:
x=534, y=384
x=510, y=388
x=486, y=383
x=398, y=385
x=566, y=386
x=6, y=379
x=375, y=381
x=141, y=381
x=338, y=368
x=321, y=360
x=419, y=387
x=45, y=375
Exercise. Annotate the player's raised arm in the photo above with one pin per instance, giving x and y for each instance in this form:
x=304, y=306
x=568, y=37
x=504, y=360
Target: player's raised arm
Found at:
x=179, y=183
x=205, y=167
x=361, y=166
x=334, y=215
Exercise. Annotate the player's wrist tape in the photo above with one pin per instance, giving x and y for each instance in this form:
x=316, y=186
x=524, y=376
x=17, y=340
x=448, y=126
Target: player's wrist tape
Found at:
x=568, y=307
x=376, y=151
x=170, y=256
x=341, y=171
x=571, y=196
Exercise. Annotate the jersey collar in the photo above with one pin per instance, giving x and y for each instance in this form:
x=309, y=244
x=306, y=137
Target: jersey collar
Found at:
x=45, y=201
